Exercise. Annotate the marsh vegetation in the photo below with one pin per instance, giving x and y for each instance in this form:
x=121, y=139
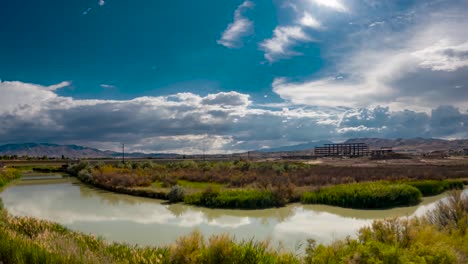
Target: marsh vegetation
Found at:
x=256, y=185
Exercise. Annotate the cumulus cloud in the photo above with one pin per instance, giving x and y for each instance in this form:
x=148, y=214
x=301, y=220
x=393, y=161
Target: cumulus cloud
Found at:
x=101, y=2
x=241, y=27
x=284, y=37
x=190, y=123
x=442, y=56
x=415, y=66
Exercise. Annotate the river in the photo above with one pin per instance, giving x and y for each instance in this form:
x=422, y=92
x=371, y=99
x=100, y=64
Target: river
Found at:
x=143, y=221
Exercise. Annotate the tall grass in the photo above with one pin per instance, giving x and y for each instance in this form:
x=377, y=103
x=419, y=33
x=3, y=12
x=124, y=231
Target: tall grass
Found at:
x=7, y=175
x=438, y=237
x=235, y=199
x=432, y=187
x=364, y=195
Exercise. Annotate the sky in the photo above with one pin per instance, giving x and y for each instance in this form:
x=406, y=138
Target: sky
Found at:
x=234, y=75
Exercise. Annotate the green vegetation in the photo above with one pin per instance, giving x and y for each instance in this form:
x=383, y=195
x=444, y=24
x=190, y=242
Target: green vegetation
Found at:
x=439, y=237
x=256, y=185
x=199, y=185
x=176, y=194
x=365, y=195
x=431, y=187
x=241, y=174
x=236, y=199
x=7, y=175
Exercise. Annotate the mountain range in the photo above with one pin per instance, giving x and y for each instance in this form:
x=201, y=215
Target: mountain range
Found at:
x=69, y=151
x=74, y=151
x=419, y=144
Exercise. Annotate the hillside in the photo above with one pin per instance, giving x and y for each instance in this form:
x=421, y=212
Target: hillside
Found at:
x=420, y=144
x=53, y=150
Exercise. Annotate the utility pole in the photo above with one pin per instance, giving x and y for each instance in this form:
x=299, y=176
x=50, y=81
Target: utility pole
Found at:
x=123, y=153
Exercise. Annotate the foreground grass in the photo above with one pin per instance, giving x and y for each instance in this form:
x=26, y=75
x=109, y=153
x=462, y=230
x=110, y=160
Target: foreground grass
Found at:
x=27, y=240
x=439, y=237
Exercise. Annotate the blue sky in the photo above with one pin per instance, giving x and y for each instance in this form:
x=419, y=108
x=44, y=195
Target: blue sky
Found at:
x=182, y=76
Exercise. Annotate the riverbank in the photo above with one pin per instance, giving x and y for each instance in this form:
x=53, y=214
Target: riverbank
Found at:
x=438, y=237
x=273, y=189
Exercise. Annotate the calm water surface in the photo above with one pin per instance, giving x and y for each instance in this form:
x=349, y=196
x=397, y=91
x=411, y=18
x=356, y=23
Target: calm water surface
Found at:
x=143, y=221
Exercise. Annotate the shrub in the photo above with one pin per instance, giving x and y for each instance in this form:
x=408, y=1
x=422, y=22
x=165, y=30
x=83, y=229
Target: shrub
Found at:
x=74, y=169
x=176, y=194
x=235, y=199
x=451, y=212
x=432, y=187
x=7, y=175
x=364, y=195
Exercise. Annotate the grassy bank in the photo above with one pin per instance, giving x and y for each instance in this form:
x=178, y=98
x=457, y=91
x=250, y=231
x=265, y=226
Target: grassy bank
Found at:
x=7, y=175
x=27, y=240
x=439, y=237
x=365, y=195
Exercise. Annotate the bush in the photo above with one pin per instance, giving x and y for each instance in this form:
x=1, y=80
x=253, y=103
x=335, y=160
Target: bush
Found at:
x=365, y=195
x=451, y=213
x=235, y=199
x=176, y=194
x=74, y=169
x=8, y=175
x=432, y=187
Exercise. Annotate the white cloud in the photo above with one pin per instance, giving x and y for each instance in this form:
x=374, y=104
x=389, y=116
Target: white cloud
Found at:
x=307, y=20
x=336, y=5
x=108, y=86
x=241, y=27
x=284, y=37
x=443, y=56
x=101, y=2
x=58, y=86
x=190, y=123
x=414, y=68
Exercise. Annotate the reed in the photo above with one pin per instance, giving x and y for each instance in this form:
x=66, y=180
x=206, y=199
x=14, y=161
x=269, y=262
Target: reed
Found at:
x=365, y=195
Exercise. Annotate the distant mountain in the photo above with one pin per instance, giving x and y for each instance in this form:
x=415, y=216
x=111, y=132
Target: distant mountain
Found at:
x=299, y=147
x=69, y=151
x=53, y=150
x=420, y=144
